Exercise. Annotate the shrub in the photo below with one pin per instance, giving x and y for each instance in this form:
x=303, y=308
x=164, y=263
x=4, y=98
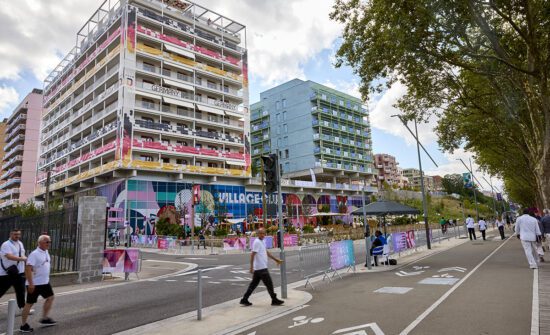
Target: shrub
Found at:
x=308, y=229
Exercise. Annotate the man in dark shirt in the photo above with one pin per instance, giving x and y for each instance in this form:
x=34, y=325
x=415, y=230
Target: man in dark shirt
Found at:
x=545, y=225
x=379, y=241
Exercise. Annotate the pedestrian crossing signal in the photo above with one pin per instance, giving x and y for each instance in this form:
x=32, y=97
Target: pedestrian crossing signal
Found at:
x=271, y=174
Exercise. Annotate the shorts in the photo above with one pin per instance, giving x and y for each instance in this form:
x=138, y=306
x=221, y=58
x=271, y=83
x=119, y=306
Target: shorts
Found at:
x=45, y=291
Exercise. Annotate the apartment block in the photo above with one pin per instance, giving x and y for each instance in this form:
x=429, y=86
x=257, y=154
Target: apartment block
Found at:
x=318, y=132
x=153, y=89
x=20, y=148
x=388, y=171
x=413, y=175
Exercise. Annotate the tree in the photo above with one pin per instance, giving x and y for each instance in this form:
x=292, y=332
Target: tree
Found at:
x=481, y=66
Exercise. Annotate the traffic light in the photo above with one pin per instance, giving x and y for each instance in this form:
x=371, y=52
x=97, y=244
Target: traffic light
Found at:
x=270, y=170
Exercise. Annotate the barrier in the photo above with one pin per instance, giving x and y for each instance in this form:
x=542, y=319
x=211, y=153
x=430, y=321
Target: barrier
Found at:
x=314, y=260
x=342, y=256
x=122, y=261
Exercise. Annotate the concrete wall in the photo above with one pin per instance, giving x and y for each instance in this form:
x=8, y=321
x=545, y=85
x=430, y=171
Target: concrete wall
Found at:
x=91, y=237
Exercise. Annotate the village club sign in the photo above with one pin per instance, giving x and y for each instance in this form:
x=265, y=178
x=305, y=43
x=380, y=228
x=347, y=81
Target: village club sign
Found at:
x=176, y=93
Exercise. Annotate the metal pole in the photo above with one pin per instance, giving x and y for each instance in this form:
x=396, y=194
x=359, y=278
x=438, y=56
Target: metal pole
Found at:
x=424, y=202
x=264, y=208
x=474, y=187
x=199, y=294
x=281, y=230
x=11, y=316
x=367, y=230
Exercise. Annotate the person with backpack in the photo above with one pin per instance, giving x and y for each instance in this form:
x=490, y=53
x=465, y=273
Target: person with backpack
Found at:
x=471, y=227
x=12, y=267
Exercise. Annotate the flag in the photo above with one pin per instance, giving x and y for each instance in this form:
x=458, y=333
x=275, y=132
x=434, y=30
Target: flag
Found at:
x=499, y=196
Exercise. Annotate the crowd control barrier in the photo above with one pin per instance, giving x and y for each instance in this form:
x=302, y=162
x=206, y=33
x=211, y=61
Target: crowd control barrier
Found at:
x=314, y=261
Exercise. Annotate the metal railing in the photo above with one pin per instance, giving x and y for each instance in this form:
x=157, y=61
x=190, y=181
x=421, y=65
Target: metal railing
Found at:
x=314, y=261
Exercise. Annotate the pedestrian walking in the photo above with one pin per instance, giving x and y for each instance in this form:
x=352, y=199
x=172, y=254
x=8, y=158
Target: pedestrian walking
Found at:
x=12, y=269
x=527, y=230
x=471, y=227
x=500, y=224
x=546, y=228
x=482, y=227
x=37, y=272
x=258, y=268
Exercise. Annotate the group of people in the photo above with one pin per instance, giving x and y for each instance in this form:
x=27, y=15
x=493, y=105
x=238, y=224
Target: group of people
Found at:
x=28, y=276
x=482, y=225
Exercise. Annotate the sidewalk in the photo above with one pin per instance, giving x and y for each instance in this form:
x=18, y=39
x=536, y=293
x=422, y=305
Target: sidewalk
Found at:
x=231, y=318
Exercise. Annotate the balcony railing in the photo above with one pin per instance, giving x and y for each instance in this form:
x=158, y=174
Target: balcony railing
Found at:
x=17, y=158
x=185, y=131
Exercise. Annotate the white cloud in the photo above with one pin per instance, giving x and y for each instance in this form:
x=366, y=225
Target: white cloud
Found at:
x=382, y=108
x=350, y=87
x=35, y=33
x=8, y=99
x=282, y=36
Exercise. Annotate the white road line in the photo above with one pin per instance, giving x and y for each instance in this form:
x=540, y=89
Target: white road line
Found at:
x=447, y=294
x=535, y=307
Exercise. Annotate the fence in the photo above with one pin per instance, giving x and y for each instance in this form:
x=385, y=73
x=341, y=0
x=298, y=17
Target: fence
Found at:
x=315, y=260
x=60, y=225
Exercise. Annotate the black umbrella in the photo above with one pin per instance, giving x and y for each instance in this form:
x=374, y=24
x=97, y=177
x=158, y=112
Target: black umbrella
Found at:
x=386, y=207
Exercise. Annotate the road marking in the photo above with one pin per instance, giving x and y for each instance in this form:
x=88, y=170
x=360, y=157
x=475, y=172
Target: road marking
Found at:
x=264, y=320
x=535, y=307
x=303, y=320
x=456, y=268
x=438, y=281
x=430, y=309
x=170, y=280
x=234, y=284
x=416, y=267
x=203, y=270
x=160, y=261
x=214, y=282
x=362, y=328
x=240, y=271
x=406, y=274
x=236, y=279
x=393, y=290
x=190, y=281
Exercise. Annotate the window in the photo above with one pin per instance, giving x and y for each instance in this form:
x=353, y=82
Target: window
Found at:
x=285, y=128
x=284, y=103
x=277, y=105
x=211, y=147
x=146, y=158
x=145, y=81
x=166, y=142
x=198, y=164
x=212, y=165
x=278, y=130
x=284, y=116
x=285, y=141
x=287, y=167
x=148, y=119
x=181, y=161
x=287, y=155
x=146, y=138
x=166, y=160
x=198, y=146
x=278, y=117
x=342, y=103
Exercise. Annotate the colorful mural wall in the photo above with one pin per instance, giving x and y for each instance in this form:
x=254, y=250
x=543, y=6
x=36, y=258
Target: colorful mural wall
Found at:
x=144, y=200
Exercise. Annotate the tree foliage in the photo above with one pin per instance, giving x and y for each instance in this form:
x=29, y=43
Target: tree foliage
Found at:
x=480, y=66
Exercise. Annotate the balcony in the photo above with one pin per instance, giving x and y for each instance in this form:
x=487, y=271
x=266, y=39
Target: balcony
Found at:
x=16, y=121
x=185, y=131
x=10, y=172
x=15, y=131
x=12, y=181
x=13, y=151
x=8, y=203
x=18, y=138
x=9, y=193
x=9, y=163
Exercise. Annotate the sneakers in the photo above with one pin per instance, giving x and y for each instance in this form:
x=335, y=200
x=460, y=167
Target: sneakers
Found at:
x=541, y=259
x=245, y=302
x=47, y=322
x=26, y=328
x=277, y=302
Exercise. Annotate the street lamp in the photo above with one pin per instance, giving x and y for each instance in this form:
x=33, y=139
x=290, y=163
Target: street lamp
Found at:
x=424, y=201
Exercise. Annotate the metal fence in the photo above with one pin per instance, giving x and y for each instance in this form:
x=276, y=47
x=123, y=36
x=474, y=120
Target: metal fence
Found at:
x=60, y=225
x=315, y=260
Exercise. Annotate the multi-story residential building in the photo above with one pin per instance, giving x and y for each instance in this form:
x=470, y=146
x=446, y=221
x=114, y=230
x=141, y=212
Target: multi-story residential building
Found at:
x=413, y=175
x=403, y=181
x=21, y=151
x=437, y=183
x=313, y=128
x=3, y=126
x=388, y=170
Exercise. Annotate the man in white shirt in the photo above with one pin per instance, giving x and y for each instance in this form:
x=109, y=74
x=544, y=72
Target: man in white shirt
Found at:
x=527, y=229
x=258, y=268
x=471, y=227
x=37, y=272
x=482, y=228
x=500, y=225
x=13, y=254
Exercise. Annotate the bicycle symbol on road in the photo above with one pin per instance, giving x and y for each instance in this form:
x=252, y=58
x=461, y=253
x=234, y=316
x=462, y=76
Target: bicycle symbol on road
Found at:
x=303, y=320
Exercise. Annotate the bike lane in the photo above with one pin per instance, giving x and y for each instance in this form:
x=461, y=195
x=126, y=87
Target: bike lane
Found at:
x=389, y=302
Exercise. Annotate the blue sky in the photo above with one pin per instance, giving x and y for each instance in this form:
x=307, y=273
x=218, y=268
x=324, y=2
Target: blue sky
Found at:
x=296, y=39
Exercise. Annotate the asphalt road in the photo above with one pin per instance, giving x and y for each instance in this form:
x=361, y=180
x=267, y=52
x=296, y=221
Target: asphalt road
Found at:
x=113, y=309
x=474, y=288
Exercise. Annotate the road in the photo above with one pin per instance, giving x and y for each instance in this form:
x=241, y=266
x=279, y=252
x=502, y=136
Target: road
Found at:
x=112, y=309
x=479, y=287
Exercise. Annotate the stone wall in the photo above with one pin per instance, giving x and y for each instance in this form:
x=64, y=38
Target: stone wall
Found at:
x=91, y=237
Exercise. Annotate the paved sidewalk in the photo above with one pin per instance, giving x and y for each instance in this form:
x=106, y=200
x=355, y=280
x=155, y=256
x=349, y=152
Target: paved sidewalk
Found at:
x=232, y=318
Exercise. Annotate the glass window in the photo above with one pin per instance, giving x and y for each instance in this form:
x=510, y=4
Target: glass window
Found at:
x=284, y=103
x=278, y=105
x=285, y=128
x=284, y=116
x=287, y=153
x=278, y=117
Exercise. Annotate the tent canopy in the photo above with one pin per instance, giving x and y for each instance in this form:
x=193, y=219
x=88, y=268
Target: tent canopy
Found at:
x=386, y=207
x=326, y=214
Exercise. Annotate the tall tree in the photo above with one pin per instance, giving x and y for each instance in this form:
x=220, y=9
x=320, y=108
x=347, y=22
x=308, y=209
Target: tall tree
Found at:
x=480, y=65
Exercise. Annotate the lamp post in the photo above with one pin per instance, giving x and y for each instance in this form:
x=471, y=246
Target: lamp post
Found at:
x=424, y=201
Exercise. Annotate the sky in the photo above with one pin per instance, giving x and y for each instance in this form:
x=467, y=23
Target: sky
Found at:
x=285, y=40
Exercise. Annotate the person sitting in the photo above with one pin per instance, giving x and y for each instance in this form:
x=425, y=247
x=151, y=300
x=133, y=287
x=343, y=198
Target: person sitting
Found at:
x=378, y=244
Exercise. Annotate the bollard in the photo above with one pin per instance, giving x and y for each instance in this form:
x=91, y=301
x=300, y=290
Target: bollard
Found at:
x=11, y=316
x=199, y=294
